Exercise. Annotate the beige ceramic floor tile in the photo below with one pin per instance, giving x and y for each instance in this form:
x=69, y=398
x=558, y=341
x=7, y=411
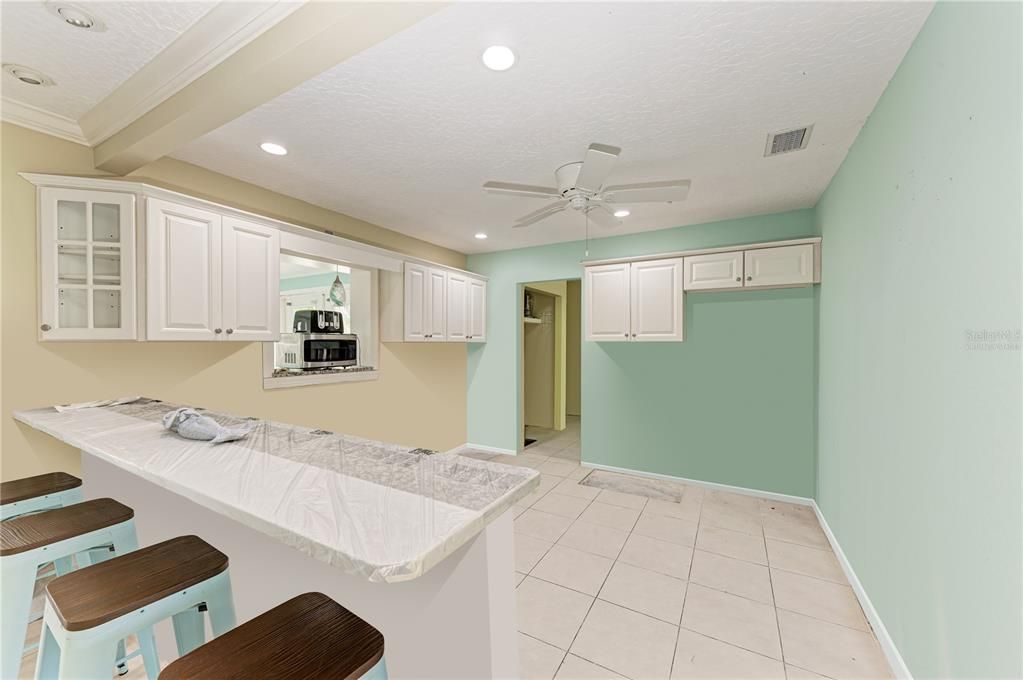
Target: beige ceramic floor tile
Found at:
x=537, y=660
x=733, y=576
x=560, y=468
x=833, y=602
x=574, y=668
x=560, y=504
x=579, y=472
x=594, y=538
x=682, y=510
x=550, y=612
x=731, y=517
x=735, y=500
x=831, y=650
x=698, y=657
x=733, y=619
x=548, y=482
x=570, y=453
x=660, y=556
x=625, y=500
x=573, y=569
x=570, y=487
x=803, y=560
x=531, y=498
x=795, y=530
x=518, y=578
x=796, y=673
x=632, y=644
x=610, y=515
x=664, y=528
x=645, y=591
x=528, y=551
x=731, y=544
x=542, y=525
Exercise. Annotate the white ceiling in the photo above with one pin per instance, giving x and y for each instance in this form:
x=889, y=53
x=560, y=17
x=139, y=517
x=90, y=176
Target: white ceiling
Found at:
x=87, y=65
x=404, y=134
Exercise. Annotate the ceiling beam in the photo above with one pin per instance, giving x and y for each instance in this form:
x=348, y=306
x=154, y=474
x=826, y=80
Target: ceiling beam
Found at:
x=309, y=41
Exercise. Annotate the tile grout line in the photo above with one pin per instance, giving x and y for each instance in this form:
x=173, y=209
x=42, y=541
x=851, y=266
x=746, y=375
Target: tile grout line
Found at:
x=774, y=603
x=689, y=582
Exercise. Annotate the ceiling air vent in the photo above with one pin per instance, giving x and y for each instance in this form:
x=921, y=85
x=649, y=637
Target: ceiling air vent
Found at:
x=788, y=140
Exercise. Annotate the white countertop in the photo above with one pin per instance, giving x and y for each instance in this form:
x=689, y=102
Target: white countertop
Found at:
x=382, y=511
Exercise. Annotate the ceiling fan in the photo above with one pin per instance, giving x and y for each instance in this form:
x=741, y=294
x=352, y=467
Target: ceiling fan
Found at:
x=581, y=187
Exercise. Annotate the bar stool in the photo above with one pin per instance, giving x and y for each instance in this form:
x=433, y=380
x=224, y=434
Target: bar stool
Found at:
x=42, y=492
x=89, y=610
x=30, y=541
x=309, y=636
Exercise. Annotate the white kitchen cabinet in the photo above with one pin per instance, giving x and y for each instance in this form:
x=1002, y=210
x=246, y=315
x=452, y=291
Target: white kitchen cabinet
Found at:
x=457, y=295
x=608, y=302
x=437, y=318
x=86, y=265
x=656, y=311
x=416, y=305
x=713, y=271
x=782, y=266
x=209, y=277
x=477, y=311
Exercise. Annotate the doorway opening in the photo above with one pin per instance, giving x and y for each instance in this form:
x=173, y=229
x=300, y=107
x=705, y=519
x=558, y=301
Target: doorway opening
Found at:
x=550, y=378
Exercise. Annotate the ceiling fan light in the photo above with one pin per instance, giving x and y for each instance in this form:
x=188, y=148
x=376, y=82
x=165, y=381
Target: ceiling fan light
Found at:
x=622, y=212
x=498, y=58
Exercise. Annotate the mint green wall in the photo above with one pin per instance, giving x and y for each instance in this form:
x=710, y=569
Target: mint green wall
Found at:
x=733, y=404
x=919, y=445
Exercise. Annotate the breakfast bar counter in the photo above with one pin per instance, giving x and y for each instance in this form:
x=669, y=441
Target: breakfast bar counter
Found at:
x=417, y=543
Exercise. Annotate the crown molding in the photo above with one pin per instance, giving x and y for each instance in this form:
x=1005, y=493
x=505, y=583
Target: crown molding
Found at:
x=35, y=118
x=224, y=30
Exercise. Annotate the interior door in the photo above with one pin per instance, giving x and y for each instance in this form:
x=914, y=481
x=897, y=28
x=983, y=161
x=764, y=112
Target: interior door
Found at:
x=437, y=303
x=713, y=271
x=477, y=310
x=457, y=294
x=782, y=266
x=417, y=309
x=607, y=302
x=251, y=281
x=183, y=275
x=657, y=311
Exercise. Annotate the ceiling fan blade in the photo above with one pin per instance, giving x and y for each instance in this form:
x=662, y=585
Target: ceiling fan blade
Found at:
x=521, y=190
x=601, y=216
x=648, y=192
x=600, y=158
x=542, y=213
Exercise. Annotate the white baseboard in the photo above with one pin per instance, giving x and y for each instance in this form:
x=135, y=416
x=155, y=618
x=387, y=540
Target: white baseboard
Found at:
x=891, y=652
x=769, y=495
x=481, y=447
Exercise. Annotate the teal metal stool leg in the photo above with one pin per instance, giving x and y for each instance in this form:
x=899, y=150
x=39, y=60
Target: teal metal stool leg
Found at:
x=189, y=630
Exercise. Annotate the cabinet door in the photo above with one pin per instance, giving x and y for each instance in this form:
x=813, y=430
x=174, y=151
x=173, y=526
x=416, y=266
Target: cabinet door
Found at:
x=607, y=303
x=417, y=308
x=183, y=273
x=86, y=265
x=457, y=308
x=437, y=304
x=251, y=257
x=713, y=271
x=783, y=266
x=477, y=310
x=656, y=287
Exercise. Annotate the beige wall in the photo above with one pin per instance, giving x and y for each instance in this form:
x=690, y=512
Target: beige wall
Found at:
x=418, y=400
x=573, y=345
x=545, y=360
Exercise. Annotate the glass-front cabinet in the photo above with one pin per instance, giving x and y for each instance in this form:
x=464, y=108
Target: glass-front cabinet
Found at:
x=87, y=265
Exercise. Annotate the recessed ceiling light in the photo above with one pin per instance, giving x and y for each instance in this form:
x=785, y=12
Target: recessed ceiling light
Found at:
x=75, y=15
x=622, y=213
x=498, y=58
x=481, y=236
x=27, y=75
x=275, y=149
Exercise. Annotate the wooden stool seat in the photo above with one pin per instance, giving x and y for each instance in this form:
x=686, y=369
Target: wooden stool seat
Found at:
x=309, y=636
x=95, y=595
x=28, y=532
x=40, y=485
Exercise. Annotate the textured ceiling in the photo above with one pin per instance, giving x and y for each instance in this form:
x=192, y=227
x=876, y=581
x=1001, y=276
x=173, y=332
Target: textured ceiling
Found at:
x=87, y=65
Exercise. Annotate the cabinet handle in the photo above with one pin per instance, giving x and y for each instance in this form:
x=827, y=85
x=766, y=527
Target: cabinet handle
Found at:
x=218, y=331
x=45, y=327
x=230, y=330
x=749, y=278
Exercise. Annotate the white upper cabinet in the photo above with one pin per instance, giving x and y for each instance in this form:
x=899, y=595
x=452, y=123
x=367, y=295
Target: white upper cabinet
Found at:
x=457, y=307
x=656, y=306
x=783, y=266
x=437, y=318
x=477, y=311
x=416, y=306
x=86, y=265
x=608, y=300
x=183, y=270
x=713, y=271
x=210, y=277
x=251, y=265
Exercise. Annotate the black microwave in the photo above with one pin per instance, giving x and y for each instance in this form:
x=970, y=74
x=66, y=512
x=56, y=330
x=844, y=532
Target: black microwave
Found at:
x=317, y=350
x=318, y=321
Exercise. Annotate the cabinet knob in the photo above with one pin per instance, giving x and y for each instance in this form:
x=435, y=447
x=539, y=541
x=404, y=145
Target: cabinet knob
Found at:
x=218, y=331
x=626, y=335
x=230, y=330
x=749, y=278
x=633, y=335
x=45, y=327
x=738, y=278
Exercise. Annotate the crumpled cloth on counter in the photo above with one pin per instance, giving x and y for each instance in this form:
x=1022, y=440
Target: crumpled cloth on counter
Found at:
x=191, y=424
x=94, y=404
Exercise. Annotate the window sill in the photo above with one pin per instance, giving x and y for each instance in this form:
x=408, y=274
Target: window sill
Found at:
x=272, y=383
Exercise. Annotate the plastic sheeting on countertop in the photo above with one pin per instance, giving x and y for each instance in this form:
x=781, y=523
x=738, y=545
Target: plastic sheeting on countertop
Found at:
x=382, y=511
